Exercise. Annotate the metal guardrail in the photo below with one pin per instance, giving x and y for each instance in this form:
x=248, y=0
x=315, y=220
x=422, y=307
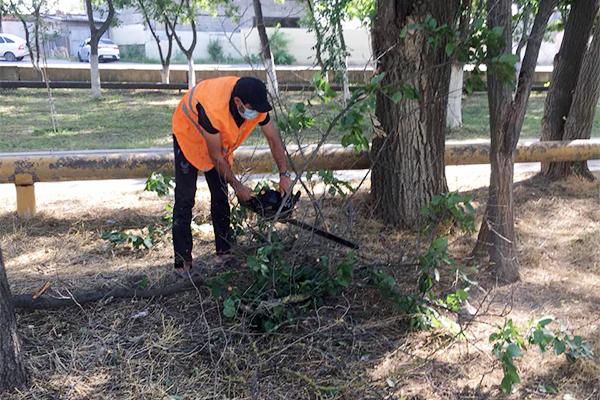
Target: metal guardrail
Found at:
x=24, y=169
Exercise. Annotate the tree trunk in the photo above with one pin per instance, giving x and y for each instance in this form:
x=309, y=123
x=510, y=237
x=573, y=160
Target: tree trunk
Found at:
x=497, y=233
x=343, y=64
x=316, y=27
x=165, y=74
x=408, y=162
x=191, y=72
x=265, y=51
x=189, y=52
x=566, y=72
x=12, y=371
x=165, y=60
x=95, y=72
x=454, y=116
x=95, y=35
x=581, y=116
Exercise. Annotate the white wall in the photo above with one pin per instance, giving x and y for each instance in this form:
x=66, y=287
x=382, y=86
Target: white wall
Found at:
x=128, y=34
x=13, y=27
x=202, y=41
x=301, y=42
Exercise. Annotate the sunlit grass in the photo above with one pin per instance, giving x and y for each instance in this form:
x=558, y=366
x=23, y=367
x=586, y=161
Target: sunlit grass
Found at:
x=136, y=118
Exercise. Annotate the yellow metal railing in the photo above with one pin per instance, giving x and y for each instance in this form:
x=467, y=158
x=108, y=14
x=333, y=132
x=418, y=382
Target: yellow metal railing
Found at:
x=24, y=169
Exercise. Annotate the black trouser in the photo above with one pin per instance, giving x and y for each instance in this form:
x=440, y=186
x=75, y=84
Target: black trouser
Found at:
x=185, y=192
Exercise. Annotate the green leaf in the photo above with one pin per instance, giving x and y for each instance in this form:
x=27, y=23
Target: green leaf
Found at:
x=513, y=351
x=376, y=79
x=229, y=308
x=450, y=47
x=396, y=97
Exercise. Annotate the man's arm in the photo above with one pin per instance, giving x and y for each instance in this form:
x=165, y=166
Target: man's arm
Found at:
x=278, y=151
x=213, y=141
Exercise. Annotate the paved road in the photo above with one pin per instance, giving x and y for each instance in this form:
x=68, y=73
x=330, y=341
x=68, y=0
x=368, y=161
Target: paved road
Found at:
x=131, y=65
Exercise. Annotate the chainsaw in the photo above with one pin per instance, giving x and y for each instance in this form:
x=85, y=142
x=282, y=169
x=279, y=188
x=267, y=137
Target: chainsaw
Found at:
x=268, y=202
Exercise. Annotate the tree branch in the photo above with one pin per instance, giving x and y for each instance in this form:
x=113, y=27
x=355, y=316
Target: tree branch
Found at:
x=27, y=302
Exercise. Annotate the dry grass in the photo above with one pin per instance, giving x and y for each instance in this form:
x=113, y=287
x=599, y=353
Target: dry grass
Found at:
x=353, y=347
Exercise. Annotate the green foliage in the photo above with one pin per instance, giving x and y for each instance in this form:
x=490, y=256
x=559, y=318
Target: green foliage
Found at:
x=279, y=48
x=160, y=184
x=509, y=344
x=277, y=290
x=334, y=185
x=215, y=51
x=147, y=239
x=151, y=234
x=424, y=308
x=449, y=209
x=323, y=89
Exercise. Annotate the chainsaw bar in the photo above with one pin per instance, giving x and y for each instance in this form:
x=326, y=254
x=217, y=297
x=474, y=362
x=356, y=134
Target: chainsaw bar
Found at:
x=267, y=203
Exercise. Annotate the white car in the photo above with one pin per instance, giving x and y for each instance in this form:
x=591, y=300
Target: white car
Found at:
x=12, y=48
x=107, y=51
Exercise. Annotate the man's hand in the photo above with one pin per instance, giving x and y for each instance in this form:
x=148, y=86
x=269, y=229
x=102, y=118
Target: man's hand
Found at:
x=285, y=184
x=243, y=193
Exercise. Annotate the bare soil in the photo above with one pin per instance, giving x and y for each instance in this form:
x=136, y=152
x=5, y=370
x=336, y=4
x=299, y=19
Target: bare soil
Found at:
x=355, y=346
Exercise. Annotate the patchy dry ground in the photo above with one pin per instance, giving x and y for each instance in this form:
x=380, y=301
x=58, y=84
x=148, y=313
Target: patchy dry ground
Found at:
x=353, y=347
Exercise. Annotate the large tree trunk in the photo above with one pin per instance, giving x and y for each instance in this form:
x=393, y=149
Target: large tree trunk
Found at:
x=566, y=72
x=454, y=116
x=497, y=233
x=408, y=162
x=581, y=116
x=12, y=371
x=265, y=51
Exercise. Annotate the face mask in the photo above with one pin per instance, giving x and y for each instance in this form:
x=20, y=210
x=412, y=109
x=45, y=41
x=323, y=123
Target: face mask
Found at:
x=249, y=114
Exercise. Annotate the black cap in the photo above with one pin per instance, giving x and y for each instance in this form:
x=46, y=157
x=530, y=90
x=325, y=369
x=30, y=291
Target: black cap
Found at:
x=254, y=92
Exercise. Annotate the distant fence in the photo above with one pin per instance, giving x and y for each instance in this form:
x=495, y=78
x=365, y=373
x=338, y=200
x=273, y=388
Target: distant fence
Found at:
x=141, y=73
x=286, y=87
x=24, y=169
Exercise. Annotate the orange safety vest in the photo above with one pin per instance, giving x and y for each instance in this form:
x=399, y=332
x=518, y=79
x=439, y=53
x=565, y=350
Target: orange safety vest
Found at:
x=214, y=95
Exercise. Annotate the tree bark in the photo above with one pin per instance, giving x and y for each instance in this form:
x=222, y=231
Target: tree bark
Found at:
x=190, y=12
x=581, y=116
x=265, y=51
x=191, y=72
x=497, y=234
x=95, y=35
x=408, y=162
x=454, y=116
x=316, y=27
x=165, y=59
x=12, y=371
x=565, y=75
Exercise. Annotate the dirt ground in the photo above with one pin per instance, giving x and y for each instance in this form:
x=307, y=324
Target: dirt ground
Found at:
x=355, y=346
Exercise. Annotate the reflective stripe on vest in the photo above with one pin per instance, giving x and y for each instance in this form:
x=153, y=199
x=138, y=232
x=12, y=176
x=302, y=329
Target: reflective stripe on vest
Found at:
x=214, y=95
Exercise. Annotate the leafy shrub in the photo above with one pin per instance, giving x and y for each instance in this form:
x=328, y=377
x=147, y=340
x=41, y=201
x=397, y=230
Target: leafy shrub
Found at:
x=215, y=50
x=279, y=48
x=509, y=345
